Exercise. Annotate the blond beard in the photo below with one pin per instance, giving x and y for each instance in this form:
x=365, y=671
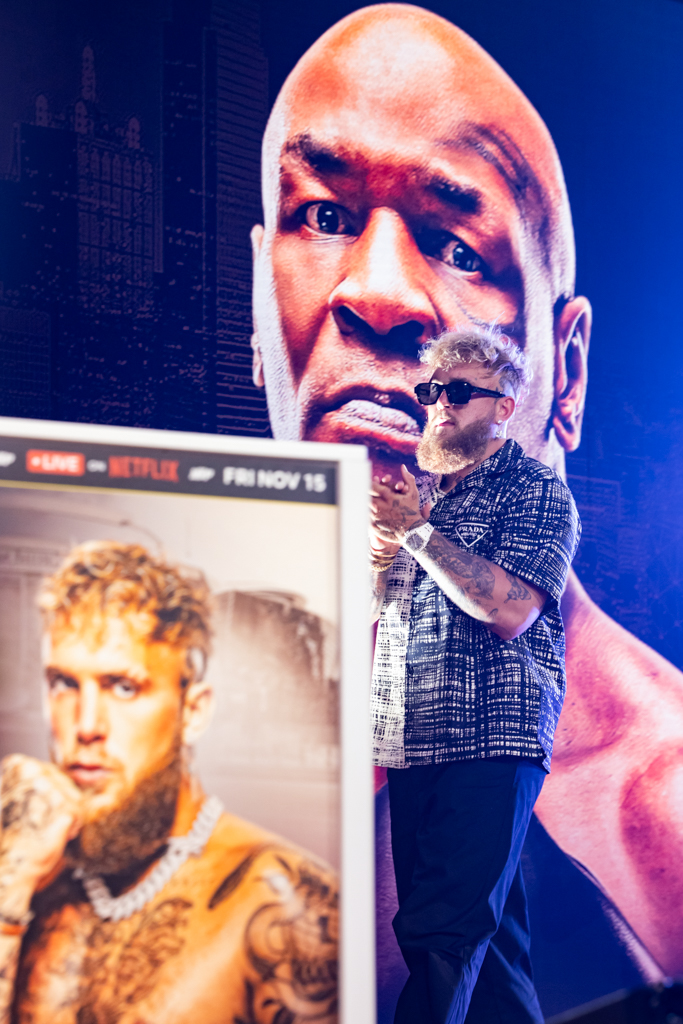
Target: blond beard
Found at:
x=454, y=450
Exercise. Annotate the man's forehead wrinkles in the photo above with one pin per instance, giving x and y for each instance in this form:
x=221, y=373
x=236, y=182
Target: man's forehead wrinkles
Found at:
x=367, y=154
x=499, y=149
x=340, y=159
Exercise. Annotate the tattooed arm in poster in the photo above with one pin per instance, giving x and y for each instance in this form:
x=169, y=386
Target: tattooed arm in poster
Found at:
x=290, y=942
x=40, y=813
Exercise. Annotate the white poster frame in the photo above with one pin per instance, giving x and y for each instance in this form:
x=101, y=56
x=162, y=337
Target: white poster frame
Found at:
x=357, y=940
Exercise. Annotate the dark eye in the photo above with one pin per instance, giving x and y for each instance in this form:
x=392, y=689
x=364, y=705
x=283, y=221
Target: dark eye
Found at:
x=327, y=219
x=441, y=245
x=60, y=684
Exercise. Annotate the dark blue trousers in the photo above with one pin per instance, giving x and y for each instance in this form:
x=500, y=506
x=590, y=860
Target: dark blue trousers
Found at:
x=457, y=832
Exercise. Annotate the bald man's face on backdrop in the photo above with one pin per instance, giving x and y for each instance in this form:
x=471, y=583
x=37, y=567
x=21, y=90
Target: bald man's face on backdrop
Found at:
x=409, y=187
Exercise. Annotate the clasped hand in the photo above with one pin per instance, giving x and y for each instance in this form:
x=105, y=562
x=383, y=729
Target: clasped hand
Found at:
x=394, y=509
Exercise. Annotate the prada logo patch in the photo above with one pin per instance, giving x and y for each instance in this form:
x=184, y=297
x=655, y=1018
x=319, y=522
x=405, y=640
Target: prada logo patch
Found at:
x=469, y=533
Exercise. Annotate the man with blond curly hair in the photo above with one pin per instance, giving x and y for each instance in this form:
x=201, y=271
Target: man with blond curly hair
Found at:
x=468, y=681
x=127, y=895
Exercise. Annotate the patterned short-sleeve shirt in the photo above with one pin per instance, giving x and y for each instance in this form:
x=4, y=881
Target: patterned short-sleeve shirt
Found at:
x=445, y=687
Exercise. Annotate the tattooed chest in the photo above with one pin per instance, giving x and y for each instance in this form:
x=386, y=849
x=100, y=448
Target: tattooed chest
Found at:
x=100, y=972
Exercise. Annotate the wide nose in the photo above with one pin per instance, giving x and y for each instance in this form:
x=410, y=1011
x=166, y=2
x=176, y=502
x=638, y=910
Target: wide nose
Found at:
x=384, y=296
x=90, y=725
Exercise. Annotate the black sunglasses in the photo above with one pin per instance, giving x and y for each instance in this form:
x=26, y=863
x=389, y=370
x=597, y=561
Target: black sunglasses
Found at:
x=458, y=392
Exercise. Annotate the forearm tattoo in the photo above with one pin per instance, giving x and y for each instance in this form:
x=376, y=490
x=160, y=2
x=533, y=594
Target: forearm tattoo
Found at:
x=472, y=572
x=404, y=515
x=25, y=812
x=23, y=809
x=517, y=591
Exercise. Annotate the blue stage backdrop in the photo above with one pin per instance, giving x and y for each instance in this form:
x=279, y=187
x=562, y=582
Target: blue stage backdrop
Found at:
x=130, y=140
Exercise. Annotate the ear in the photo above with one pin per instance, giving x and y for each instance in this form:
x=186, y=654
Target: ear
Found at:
x=572, y=337
x=257, y=360
x=505, y=408
x=256, y=236
x=197, y=711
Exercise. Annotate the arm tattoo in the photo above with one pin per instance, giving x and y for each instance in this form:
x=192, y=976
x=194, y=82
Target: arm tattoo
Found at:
x=472, y=572
x=291, y=946
x=22, y=805
x=517, y=591
x=23, y=808
x=407, y=516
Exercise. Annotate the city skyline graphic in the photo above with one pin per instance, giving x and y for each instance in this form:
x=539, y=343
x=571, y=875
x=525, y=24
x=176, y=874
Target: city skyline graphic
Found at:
x=124, y=265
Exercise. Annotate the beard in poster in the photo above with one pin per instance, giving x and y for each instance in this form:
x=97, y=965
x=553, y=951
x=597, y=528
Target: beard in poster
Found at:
x=136, y=830
x=410, y=187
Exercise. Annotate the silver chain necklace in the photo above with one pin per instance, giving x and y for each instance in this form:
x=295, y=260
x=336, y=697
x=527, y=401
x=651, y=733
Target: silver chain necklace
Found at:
x=179, y=848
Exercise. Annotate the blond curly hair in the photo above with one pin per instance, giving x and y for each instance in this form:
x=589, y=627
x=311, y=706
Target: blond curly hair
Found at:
x=111, y=578
x=487, y=346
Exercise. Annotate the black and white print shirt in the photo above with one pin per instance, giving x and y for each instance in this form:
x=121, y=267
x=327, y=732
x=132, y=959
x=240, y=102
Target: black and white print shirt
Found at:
x=444, y=686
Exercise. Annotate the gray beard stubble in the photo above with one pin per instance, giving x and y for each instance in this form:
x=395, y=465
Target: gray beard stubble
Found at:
x=455, y=450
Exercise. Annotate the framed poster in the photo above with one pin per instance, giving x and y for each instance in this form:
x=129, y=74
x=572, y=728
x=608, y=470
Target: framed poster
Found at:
x=184, y=674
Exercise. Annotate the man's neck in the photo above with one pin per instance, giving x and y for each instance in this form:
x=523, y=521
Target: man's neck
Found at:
x=449, y=480
x=191, y=796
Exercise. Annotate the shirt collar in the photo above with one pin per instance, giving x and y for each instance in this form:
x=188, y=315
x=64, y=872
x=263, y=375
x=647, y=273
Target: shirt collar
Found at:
x=500, y=462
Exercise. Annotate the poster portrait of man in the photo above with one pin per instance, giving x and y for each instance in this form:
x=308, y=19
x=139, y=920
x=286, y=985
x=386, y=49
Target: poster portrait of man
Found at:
x=131, y=891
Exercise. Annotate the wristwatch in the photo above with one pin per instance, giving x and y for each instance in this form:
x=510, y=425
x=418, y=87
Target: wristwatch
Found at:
x=417, y=537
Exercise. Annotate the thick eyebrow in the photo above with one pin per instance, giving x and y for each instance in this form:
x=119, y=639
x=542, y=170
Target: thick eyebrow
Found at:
x=109, y=679
x=320, y=158
x=467, y=200
x=52, y=673
x=106, y=679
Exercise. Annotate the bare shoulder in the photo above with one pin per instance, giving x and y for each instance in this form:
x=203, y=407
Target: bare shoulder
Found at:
x=264, y=863
x=234, y=835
